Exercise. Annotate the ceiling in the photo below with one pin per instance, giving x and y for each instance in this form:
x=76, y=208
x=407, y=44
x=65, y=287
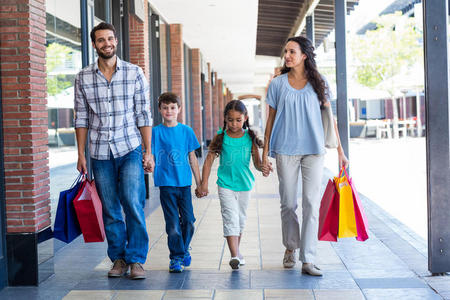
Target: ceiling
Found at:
x=225, y=33
x=280, y=19
x=243, y=40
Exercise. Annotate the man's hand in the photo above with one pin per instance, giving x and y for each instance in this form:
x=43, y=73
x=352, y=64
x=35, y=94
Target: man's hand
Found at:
x=148, y=162
x=82, y=165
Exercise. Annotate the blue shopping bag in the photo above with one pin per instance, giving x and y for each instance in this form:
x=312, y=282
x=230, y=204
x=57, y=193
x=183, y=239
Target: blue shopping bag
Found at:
x=66, y=226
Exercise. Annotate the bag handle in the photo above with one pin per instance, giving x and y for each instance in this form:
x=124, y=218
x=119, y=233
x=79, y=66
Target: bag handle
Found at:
x=343, y=170
x=79, y=178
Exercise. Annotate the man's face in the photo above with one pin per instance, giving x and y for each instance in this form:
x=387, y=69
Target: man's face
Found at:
x=105, y=43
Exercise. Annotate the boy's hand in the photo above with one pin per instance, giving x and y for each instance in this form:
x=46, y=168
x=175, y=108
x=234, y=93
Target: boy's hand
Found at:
x=148, y=162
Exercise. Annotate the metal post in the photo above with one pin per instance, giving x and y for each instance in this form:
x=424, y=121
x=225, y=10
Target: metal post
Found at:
x=340, y=9
x=85, y=62
x=310, y=28
x=435, y=22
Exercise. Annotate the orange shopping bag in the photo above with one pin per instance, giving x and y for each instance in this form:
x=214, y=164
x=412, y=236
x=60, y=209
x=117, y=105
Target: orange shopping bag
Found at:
x=347, y=221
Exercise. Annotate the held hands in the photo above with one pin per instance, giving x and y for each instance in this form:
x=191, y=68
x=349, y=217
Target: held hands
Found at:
x=266, y=167
x=202, y=190
x=148, y=162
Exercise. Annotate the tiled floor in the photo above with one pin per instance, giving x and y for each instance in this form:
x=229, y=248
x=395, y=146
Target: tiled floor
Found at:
x=387, y=266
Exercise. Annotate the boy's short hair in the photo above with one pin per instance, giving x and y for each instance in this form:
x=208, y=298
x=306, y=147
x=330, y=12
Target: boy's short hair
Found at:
x=168, y=98
x=102, y=26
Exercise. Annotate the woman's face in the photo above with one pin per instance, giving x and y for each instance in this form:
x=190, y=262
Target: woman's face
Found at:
x=293, y=55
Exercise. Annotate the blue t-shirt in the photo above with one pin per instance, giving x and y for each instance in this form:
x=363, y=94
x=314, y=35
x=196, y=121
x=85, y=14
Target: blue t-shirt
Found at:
x=297, y=128
x=171, y=147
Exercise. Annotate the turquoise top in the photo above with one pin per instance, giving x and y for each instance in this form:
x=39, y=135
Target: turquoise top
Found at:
x=234, y=169
x=297, y=128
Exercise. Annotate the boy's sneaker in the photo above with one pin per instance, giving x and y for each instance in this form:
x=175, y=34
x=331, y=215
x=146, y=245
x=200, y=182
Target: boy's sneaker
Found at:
x=176, y=266
x=187, y=260
x=234, y=263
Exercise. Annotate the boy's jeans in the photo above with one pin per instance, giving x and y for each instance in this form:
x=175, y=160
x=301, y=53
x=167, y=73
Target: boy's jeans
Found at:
x=176, y=203
x=120, y=184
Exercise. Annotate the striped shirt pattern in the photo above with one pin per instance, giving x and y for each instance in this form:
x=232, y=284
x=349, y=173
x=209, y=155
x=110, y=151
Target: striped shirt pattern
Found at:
x=113, y=111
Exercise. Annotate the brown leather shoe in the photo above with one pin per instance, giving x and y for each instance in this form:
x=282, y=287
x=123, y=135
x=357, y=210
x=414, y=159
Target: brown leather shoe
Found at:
x=137, y=271
x=118, y=269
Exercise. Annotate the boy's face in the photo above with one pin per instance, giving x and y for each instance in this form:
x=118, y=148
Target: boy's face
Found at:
x=169, y=112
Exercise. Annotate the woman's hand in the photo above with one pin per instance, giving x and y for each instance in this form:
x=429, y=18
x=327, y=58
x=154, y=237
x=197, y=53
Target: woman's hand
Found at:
x=343, y=161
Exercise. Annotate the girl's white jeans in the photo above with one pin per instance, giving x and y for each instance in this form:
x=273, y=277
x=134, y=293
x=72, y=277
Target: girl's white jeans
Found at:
x=234, y=210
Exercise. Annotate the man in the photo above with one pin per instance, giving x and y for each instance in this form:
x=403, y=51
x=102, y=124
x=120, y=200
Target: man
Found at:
x=112, y=100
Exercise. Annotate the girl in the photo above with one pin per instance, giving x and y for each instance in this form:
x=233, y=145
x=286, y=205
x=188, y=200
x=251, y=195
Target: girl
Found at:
x=234, y=144
x=294, y=136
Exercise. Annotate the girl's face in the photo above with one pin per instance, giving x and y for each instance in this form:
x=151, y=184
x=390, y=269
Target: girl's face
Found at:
x=293, y=55
x=235, y=121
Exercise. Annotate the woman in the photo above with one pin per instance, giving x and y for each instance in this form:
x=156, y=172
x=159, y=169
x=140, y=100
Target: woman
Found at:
x=294, y=137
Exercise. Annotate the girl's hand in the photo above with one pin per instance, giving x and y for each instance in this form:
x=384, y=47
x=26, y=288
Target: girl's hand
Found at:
x=343, y=161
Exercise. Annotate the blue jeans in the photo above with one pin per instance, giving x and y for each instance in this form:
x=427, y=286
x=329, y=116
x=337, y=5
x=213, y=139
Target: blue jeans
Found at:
x=120, y=184
x=176, y=203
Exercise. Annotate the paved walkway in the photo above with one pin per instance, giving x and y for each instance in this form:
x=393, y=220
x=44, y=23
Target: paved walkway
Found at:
x=389, y=265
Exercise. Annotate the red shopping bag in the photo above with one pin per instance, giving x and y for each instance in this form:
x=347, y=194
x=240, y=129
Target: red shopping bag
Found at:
x=329, y=214
x=360, y=217
x=89, y=212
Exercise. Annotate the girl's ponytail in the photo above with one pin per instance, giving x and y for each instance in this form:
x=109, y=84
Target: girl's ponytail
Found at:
x=216, y=144
x=255, y=140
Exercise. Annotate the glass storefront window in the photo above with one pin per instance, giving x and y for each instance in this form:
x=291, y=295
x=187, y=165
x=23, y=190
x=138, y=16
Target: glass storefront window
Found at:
x=63, y=42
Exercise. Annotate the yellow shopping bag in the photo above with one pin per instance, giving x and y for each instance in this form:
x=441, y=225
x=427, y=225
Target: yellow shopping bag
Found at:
x=347, y=222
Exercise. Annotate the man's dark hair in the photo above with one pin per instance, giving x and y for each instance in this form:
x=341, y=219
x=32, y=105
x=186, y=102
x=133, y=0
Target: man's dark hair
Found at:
x=102, y=26
x=168, y=98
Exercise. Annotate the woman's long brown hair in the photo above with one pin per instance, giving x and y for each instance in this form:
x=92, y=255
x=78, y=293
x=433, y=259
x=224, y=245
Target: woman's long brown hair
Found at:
x=313, y=76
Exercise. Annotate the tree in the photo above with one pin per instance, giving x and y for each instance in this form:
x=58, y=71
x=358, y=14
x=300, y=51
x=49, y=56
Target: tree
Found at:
x=57, y=54
x=383, y=53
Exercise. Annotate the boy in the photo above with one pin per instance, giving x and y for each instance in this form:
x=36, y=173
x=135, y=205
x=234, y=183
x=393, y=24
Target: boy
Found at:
x=173, y=147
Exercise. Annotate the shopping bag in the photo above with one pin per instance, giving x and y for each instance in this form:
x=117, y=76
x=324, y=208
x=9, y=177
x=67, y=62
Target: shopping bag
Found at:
x=347, y=221
x=360, y=217
x=66, y=226
x=329, y=214
x=89, y=212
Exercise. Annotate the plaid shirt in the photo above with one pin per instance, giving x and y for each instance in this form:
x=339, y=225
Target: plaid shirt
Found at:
x=113, y=111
